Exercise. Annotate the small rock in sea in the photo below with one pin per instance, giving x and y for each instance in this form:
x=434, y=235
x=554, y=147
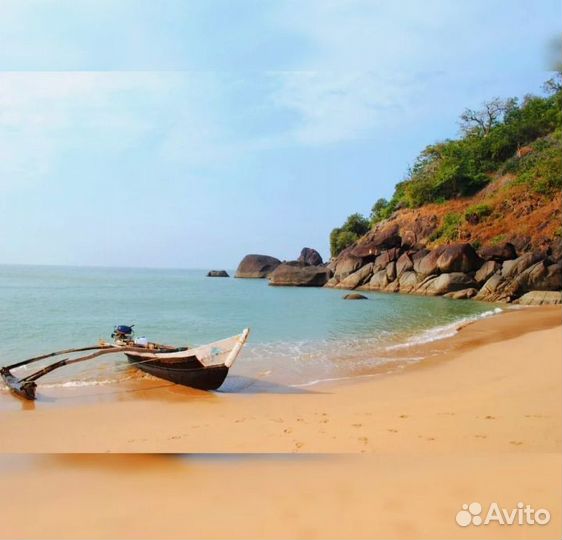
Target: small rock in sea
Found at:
x=355, y=296
x=218, y=273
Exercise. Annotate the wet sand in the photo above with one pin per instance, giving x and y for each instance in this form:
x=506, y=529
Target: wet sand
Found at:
x=494, y=387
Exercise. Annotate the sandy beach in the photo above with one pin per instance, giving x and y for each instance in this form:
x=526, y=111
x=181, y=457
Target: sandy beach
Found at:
x=478, y=421
x=493, y=387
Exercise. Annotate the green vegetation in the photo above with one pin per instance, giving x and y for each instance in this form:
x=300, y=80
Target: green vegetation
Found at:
x=490, y=138
x=477, y=212
x=504, y=136
x=342, y=237
x=449, y=230
x=498, y=239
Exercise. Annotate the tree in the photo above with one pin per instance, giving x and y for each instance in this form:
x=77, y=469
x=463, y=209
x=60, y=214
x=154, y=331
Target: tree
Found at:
x=354, y=227
x=379, y=211
x=554, y=84
x=481, y=122
x=357, y=224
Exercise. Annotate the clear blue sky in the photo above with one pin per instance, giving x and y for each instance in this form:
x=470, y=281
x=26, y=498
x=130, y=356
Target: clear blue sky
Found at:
x=187, y=133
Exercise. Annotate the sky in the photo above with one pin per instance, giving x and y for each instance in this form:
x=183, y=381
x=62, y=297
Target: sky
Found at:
x=188, y=133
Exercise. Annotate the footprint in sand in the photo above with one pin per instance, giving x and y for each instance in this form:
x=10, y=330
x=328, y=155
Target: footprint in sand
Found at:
x=174, y=437
x=489, y=417
x=403, y=416
x=357, y=425
x=324, y=421
x=362, y=440
x=480, y=436
x=287, y=430
x=239, y=420
x=392, y=430
x=430, y=438
x=299, y=444
x=534, y=416
x=277, y=420
x=516, y=443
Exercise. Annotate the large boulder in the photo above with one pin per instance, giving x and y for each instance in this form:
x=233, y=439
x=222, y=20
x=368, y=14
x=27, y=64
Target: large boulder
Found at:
x=346, y=264
x=458, y=258
x=539, y=298
x=378, y=281
x=386, y=257
x=444, y=283
x=488, y=269
x=332, y=282
x=499, y=252
x=310, y=257
x=357, y=278
x=538, y=277
x=494, y=289
x=408, y=281
x=513, y=268
x=463, y=294
x=428, y=264
x=387, y=236
x=256, y=266
x=299, y=276
x=217, y=273
x=355, y=296
x=404, y=263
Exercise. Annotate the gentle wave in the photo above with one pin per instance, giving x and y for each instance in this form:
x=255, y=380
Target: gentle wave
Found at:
x=306, y=363
x=442, y=332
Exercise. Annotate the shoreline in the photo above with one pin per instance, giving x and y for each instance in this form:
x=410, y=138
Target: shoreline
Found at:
x=364, y=415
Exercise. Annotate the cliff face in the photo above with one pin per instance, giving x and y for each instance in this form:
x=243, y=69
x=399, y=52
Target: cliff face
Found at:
x=498, y=245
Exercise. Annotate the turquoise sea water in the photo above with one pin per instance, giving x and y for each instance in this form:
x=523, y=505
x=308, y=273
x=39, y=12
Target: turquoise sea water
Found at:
x=299, y=335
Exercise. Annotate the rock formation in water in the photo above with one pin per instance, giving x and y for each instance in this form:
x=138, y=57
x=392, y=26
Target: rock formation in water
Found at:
x=310, y=257
x=256, y=266
x=217, y=273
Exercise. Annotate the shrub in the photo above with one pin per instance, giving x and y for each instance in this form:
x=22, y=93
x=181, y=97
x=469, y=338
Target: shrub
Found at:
x=449, y=229
x=500, y=238
x=381, y=210
x=477, y=212
x=355, y=226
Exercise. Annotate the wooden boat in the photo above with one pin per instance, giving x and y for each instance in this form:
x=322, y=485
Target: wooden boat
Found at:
x=204, y=367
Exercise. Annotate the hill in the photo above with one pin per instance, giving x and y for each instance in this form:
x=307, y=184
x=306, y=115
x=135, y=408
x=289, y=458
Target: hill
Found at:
x=495, y=190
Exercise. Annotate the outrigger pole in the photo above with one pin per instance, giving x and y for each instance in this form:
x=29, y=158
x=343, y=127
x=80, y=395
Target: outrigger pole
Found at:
x=26, y=386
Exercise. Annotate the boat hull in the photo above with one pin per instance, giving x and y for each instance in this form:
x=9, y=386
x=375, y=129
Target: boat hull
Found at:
x=187, y=373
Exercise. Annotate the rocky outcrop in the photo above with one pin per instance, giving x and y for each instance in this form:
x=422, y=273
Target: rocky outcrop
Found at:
x=539, y=298
x=290, y=275
x=310, y=257
x=217, y=273
x=357, y=278
x=383, y=261
x=355, y=296
x=256, y=266
x=445, y=283
x=346, y=264
x=458, y=258
x=488, y=269
x=463, y=294
x=498, y=252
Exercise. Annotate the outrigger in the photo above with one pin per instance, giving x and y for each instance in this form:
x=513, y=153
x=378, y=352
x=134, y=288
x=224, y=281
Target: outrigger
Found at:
x=204, y=367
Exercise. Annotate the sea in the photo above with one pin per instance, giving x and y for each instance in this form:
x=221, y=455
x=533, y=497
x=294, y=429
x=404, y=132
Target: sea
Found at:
x=300, y=337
